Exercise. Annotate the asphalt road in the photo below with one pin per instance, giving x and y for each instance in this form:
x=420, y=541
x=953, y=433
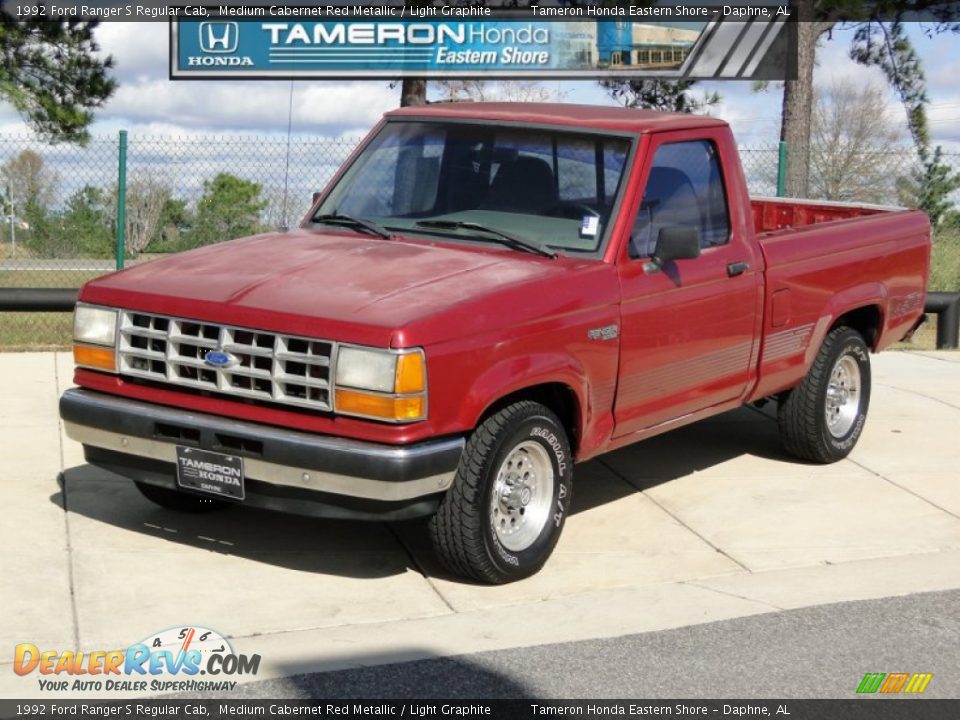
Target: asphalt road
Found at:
x=818, y=652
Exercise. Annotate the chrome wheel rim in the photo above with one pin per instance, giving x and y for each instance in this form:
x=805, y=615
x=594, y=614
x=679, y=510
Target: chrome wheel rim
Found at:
x=843, y=396
x=522, y=496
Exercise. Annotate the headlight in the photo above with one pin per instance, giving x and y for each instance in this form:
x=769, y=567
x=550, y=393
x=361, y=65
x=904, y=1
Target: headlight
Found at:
x=94, y=325
x=367, y=369
x=381, y=384
x=94, y=337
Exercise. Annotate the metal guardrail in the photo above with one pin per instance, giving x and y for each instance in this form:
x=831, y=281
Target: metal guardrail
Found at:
x=945, y=305
x=38, y=299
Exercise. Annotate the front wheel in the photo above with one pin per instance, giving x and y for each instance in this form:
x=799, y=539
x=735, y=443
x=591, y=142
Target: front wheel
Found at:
x=822, y=419
x=503, y=515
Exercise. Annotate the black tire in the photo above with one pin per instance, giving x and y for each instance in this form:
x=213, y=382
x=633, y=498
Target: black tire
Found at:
x=804, y=428
x=180, y=501
x=462, y=531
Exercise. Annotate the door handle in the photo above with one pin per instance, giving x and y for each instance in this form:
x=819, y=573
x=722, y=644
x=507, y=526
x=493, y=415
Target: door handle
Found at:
x=737, y=268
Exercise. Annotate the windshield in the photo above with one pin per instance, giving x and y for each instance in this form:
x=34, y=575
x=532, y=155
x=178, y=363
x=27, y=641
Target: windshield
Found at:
x=552, y=189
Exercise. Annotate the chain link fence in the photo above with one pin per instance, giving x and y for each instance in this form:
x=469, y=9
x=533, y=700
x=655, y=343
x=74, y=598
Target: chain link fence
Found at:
x=882, y=176
x=59, y=203
x=59, y=206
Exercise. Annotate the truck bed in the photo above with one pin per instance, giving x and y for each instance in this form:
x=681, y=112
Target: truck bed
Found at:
x=771, y=215
x=822, y=259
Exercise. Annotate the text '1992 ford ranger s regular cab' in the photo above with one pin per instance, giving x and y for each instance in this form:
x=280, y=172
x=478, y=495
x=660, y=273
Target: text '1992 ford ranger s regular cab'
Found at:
x=483, y=296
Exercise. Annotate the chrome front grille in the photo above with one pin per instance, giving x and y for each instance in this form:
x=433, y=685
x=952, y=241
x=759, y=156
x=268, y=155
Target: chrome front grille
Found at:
x=264, y=366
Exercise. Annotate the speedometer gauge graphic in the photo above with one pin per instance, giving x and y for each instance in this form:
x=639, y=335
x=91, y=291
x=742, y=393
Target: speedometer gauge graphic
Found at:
x=180, y=640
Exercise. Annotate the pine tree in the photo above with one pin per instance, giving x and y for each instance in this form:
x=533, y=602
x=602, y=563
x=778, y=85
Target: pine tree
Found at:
x=52, y=75
x=930, y=186
x=668, y=95
x=880, y=41
x=230, y=208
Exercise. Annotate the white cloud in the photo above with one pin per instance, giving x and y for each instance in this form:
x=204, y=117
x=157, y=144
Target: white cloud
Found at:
x=139, y=49
x=146, y=97
x=147, y=102
x=257, y=106
x=944, y=119
x=754, y=116
x=833, y=62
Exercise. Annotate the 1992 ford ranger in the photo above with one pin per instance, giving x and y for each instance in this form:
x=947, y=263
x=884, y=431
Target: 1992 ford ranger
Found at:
x=483, y=296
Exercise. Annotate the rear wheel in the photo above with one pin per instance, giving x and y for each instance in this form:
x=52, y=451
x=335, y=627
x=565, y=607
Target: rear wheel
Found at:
x=504, y=513
x=179, y=501
x=822, y=419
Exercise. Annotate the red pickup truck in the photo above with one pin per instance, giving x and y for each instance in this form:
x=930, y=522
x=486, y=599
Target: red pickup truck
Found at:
x=483, y=296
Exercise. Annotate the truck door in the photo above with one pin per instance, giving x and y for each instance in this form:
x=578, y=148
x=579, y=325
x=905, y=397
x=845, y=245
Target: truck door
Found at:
x=688, y=328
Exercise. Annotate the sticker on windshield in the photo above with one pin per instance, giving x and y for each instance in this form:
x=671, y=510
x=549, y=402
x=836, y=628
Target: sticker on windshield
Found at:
x=589, y=226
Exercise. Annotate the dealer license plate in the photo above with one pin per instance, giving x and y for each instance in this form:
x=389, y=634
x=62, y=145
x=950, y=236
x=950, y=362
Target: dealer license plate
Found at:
x=209, y=472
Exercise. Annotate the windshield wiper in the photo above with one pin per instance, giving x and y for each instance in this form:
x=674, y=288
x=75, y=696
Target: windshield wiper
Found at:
x=369, y=226
x=498, y=236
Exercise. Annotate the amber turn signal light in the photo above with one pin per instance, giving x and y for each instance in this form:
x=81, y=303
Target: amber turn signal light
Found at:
x=96, y=358
x=411, y=374
x=384, y=407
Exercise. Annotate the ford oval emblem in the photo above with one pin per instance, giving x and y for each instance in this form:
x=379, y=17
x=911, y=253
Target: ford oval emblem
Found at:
x=219, y=359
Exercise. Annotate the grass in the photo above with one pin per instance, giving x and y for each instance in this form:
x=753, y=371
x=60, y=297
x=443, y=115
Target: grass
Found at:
x=35, y=331
x=924, y=339
x=944, y=277
x=38, y=331
x=46, y=278
x=945, y=265
x=8, y=252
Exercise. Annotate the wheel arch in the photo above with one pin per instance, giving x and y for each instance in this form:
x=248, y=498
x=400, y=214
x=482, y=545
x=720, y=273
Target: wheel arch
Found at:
x=866, y=320
x=558, y=396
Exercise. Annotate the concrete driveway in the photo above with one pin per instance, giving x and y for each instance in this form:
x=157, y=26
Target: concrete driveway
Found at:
x=707, y=523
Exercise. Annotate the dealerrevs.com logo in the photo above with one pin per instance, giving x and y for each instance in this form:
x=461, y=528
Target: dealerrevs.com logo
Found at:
x=181, y=659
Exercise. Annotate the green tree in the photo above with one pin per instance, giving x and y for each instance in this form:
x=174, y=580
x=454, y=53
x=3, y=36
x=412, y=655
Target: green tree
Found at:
x=33, y=187
x=87, y=225
x=668, y=95
x=654, y=94
x=28, y=180
x=950, y=222
x=886, y=46
x=929, y=187
x=230, y=207
x=173, y=226
x=880, y=41
x=51, y=73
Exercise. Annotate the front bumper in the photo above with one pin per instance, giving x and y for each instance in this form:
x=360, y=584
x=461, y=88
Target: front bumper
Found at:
x=285, y=470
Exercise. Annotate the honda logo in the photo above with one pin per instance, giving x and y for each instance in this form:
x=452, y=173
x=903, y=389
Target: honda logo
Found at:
x=219, y=37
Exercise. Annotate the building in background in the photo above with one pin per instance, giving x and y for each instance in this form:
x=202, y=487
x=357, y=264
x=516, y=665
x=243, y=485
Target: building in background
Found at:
x=661, y=46
x=643, y=46
x=577, y=43
x=614, y=42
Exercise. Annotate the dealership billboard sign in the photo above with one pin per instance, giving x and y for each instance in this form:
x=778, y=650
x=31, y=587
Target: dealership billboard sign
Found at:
x=366, y=47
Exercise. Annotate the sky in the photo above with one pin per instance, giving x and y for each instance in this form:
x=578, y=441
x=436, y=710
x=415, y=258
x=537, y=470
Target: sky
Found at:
x=148, y=103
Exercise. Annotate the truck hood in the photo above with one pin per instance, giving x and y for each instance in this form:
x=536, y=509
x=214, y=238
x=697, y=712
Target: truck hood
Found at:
x=333, y=284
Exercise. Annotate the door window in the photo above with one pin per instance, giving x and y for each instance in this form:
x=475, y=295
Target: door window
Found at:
x=686, y=188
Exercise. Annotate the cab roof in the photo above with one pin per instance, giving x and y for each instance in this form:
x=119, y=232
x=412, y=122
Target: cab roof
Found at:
x=593, y=117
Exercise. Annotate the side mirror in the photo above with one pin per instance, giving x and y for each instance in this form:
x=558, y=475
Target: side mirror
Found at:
x=316, y=196
x=676, y=242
